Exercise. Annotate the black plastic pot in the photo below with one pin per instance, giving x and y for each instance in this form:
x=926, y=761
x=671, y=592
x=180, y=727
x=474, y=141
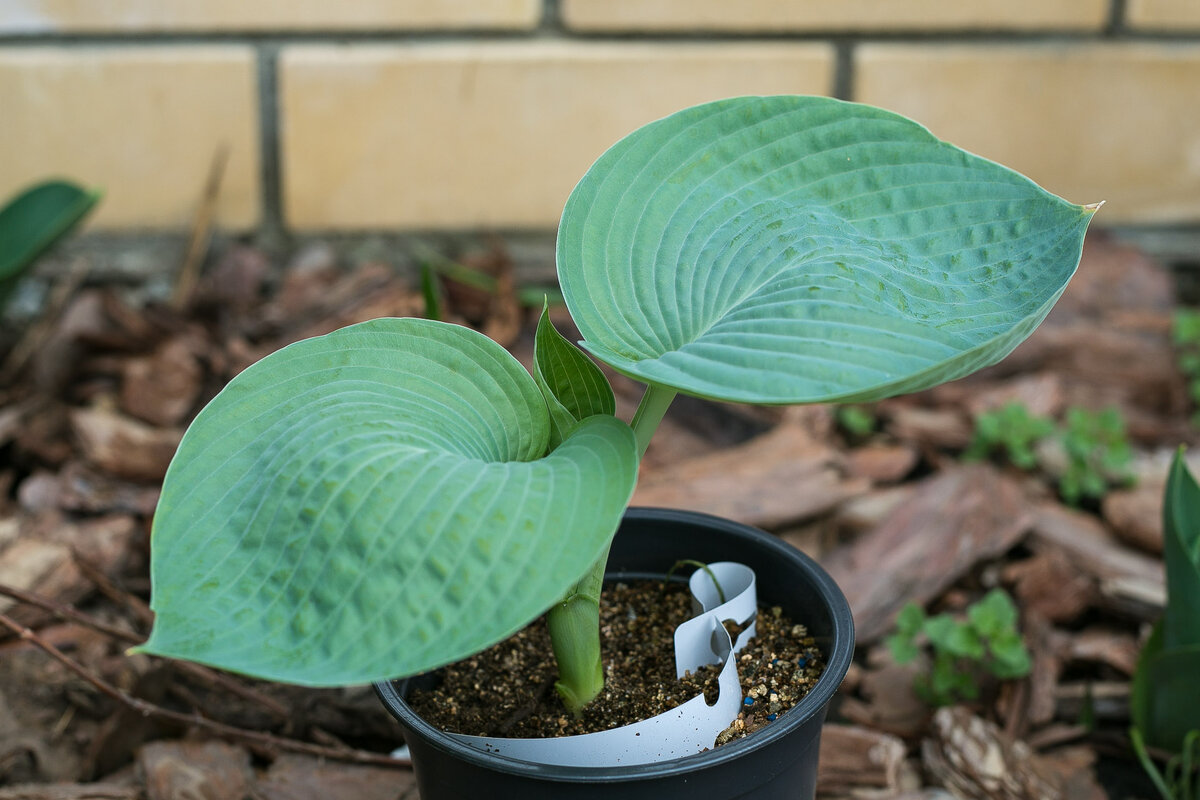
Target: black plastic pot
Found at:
x=777, y=761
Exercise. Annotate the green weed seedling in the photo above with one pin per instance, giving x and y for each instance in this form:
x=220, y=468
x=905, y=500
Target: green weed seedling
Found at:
x=403, y=493
x=962, y=652
x=1010, y=431
x=1094, y=444
x=1098, y=454
x=857, y=422
x=434, y=266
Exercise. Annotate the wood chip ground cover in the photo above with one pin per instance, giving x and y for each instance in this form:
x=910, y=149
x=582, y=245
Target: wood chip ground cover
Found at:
x=91, y=408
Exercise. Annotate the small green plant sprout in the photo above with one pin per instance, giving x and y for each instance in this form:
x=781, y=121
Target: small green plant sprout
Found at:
x=1098, y=454
x=402, y=493
x=1180, y=779
x=1164, y=701
x=962, y=653
x=1185, y=332
x=431, y=292
x=1010, y=431
x=434, y=265
x=858, y=422
x=33, y=220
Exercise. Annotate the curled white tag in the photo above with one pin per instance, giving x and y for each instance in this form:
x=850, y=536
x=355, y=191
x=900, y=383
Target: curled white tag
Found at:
x=686, y=729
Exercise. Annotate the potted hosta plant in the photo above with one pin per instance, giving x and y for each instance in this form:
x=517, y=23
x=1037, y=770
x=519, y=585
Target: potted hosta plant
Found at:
x=402, y=493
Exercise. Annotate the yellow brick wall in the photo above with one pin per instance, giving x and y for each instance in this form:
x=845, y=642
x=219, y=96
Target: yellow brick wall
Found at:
x=403, y=115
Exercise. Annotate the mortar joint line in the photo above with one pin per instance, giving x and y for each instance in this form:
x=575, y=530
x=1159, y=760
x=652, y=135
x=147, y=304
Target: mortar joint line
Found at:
x=271, y=170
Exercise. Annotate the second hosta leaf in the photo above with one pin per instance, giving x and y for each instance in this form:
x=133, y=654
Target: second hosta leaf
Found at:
x=803, y=249
x=375, y=503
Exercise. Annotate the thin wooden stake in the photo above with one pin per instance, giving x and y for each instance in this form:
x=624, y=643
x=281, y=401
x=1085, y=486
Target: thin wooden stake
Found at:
x=189, y=272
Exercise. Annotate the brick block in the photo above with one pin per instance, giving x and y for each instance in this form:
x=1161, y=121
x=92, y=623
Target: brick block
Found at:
x=1163, y=14
x=827, y=15
x=116, y=16
x=1115, y=122
x=491, y=134
x=141, y=123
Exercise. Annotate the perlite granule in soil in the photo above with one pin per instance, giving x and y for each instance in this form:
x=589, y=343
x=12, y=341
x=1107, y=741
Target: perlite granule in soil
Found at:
x=508, y=690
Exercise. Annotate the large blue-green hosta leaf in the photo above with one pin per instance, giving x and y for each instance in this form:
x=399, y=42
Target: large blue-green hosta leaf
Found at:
x=803, y=249
x=374, y=503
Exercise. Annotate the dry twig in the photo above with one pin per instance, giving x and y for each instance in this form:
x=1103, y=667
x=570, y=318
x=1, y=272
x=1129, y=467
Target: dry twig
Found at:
x=66, y=612
x=205, y=675
x=107, y=587
x=264, y=740
x=189, y=273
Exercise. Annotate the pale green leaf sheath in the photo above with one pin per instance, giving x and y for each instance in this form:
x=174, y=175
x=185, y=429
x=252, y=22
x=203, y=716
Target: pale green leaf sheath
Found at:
x=573, y=386
x=803, y=249
x=374, y=503
x=574, y=389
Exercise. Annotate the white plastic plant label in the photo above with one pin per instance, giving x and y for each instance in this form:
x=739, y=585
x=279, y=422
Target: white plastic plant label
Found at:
x=686, y=729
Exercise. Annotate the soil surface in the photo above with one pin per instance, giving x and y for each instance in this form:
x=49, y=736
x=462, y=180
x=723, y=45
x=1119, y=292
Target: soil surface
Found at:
x=508, y=690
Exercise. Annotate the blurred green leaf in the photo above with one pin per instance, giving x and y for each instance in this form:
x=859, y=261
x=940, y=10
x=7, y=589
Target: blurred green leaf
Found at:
x=903, y=644
x=432, y=293
x=34, y=220
x=953, y=637
x=1098, y=453
x=1010, y=656
x=904, y=649
x=1012, y=430
x=856, y=420
x=994, y=614
x=1181, y=554
x=963, y=652
x=436, y=264
x=1189, y=363
x=948, y=683
x=910, y=619
x=1185, y=326
x=1165, y=701
x=1180, y=780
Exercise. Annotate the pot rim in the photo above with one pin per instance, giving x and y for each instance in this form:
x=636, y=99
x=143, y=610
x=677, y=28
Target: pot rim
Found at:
x=837, y=662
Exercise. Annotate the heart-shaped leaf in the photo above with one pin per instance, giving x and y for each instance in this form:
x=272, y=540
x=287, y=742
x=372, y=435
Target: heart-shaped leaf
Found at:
x=803, y=249
x=374, y=503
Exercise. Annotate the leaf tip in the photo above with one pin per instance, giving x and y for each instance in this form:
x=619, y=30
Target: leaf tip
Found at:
x=1092, y=208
